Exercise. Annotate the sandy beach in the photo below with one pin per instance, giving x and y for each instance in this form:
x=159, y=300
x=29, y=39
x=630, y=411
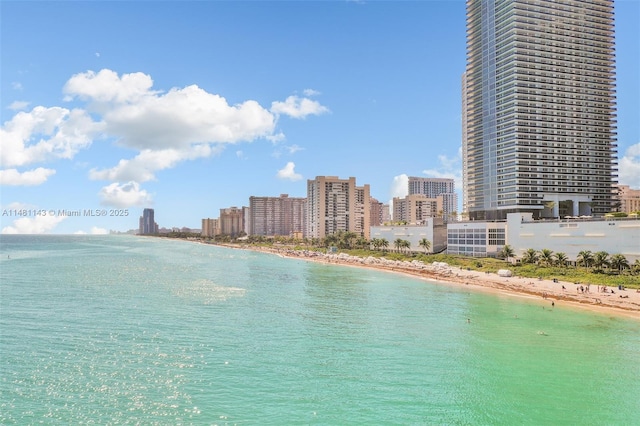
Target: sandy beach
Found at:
x=612, y=300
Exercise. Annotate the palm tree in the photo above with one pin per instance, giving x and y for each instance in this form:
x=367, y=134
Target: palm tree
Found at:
x=384, y=244
x=585, y=258
x=348, y=238
x=425, y=244
x=376, y=243
x=530, y=256
x=600, y=260
x=561, y=259
x=398, y=243
x=635, y=268
x=507, y=252
x=619, y=262
x=406, y=245
x=362, y=242
x=330, y=240
x=546, y=257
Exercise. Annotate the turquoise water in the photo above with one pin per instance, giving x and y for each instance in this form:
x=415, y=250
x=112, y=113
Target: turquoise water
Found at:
x=128, y=330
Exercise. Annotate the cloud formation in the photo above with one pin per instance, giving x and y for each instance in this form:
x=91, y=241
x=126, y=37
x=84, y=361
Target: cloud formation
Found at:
x=12, y=177
x=288, y=173
x=33, y=225
x=45, y=134
x=124, y=195
x=296, y=107
x=165, y=128
x=450, y=168
x=629, y=167
x=18, y=105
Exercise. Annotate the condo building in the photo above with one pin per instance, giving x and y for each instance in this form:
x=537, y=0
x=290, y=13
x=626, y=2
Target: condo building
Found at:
x=232, y=221
x=441, y=189
x=415, y=209
x=147, y=224
x=379, y=213
x=210, y=227
x=629, y=199
x=539, y=121
x=282, y=215
x=335, y=205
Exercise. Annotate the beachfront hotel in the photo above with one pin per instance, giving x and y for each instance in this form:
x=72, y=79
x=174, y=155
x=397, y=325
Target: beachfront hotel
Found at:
x=539, y=121
x=335, y=205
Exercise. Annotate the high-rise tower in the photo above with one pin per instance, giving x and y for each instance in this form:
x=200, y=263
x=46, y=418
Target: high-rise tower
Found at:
x=539, y=108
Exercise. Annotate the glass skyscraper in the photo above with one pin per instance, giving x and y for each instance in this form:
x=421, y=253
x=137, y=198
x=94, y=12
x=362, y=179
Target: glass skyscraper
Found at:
x=539, y=127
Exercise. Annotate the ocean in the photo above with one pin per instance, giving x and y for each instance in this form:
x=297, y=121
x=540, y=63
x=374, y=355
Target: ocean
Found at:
x=132, y=330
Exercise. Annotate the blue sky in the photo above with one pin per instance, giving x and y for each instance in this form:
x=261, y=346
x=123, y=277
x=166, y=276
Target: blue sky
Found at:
x=190, y=107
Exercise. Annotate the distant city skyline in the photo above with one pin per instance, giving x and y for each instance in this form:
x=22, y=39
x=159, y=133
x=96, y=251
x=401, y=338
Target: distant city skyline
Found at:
x=188, y=108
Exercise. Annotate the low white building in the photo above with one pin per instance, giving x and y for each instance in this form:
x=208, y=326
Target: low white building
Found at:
x=433, y=229
x=573, y=235
x=476, y=238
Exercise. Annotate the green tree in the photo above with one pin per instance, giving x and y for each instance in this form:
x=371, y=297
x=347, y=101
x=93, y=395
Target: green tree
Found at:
x=530, y=256
x=600, y=260
x=331, y=240
x=507, y=252
x=561, y=259
x=425, y=244
x=348, y=239
x=384, y=243
x=585, y=258
x=618, y=262
x=546, y=257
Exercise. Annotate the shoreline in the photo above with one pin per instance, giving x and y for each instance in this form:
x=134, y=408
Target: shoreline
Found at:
x=620, y=302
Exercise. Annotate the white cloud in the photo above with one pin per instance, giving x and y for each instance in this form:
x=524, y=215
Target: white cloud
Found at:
x=13, y=177
x=449, y=168
x=293, y=149
x=16, y=85
x=44, y=134
x=145, y=119
x=97, y=54
x=124, y=195
x=288, y=172
x=142, y=167
x=400, y=186
x=164, y=128
x=94, y=231
x=33, y=225
x=310, y=92
x=107, y=87
x=296, y=107
x=629, y=167
x=18, y=105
